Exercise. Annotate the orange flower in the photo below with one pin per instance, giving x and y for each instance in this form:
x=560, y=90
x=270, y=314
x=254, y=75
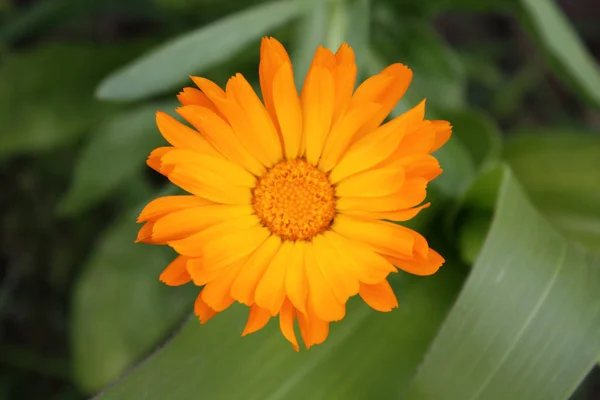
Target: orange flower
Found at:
x=288, y=197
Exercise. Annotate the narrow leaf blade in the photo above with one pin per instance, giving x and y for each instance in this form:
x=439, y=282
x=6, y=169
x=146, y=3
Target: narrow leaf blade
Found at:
x=172, y=63
x=526, y=323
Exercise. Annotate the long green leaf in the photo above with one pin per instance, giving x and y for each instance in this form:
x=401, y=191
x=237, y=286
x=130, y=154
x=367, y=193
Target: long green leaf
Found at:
x=526, y=323
x=113, y=156
x=475, y=142
x=562, y=43
x=329, y=24
x=368, y=354
x=120, y=308
x=561, y=172
x=42, y=111
x=172, y=63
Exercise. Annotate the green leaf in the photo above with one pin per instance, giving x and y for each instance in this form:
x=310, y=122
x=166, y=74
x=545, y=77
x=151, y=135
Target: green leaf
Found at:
x=311, y=33
x=367, y=355
x=329, y=24
x=114, y=155
x=562, y=44
x=475, y=143
x=42, y=111
x=438, y=74
x=561, y=172
x=472, y=234
x=194, y=52
x=120, y=308
x=526, y=323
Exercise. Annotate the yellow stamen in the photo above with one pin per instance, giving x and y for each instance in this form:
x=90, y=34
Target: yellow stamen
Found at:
x=295, y=200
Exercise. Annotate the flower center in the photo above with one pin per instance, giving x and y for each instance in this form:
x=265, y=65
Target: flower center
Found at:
x=294, y=200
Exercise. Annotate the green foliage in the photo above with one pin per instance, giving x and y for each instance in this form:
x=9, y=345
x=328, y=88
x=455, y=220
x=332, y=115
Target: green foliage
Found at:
x=119, y=146
x=561, y=170
x=513, y=314
x=558, y=38
x=171, y=64
x=120, y=303
x=45, y=111
x=492, y=336
x=369, y=355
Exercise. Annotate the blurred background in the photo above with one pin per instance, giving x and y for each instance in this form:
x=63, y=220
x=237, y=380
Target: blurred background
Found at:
x=74, y=290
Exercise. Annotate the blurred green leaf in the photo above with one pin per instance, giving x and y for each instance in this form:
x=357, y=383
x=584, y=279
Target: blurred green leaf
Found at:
x=475, y=142
x=194, y=52
x=509, y=97
x=563, y=44
x=472, y=235
x=561, y=173
x=120, y=308
x=329, y=24
x=42, y=111
x=367, y=355
x=113, y=156
x=438, y=74
x=501, y=340
x=311, y=33
x=40, y=16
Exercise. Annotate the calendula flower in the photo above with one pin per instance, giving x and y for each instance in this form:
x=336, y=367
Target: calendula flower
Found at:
x=290, y=197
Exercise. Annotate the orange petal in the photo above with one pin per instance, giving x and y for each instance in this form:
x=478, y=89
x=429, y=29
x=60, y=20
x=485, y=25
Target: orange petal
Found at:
x=212, y=165
x=383, y=237
x=341, y=280
x=422, y=166
x=270, y=291
x=199, y=274
x=286, y=323
x=363, y=262
x=209, y=88
x=202, y=310
x=317, y=109
x=288, y=110
x=244, y=286
x=145, y=233
x=397, y=215
x=296, y=286
x=241, y=91
x=193, y=246
x=313, y=330
x=194, y=97
x=400, y=77
x=377, y=146
x=372, y=183
x=220, y=134
x=176, y=273
x=342, y=134
x=443, y=131
x=244, y=130
x=168, y=204
x=379, y=296
x=320, y=295
x=216, y=292
x=182, y=136
x=412, y=193
x=233, y=245
x=189, y=221
x=418, y=140
x=154, y=159
x=257, y=319
x=419, y=266
x=272, y=56
x=194, y=179
x=345, y=78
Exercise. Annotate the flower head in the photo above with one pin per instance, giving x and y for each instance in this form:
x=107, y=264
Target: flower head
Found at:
x=290, y=197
